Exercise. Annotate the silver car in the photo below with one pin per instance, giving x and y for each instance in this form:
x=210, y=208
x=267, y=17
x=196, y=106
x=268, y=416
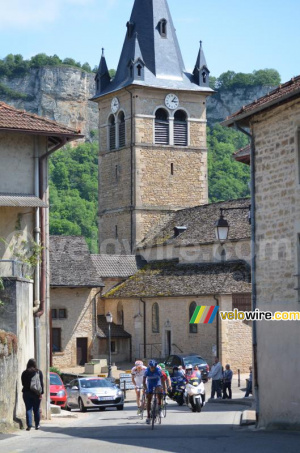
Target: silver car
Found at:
x=91, y=392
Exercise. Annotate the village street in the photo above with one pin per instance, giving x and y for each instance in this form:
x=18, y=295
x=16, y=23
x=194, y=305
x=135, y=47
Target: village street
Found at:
x=216, y=429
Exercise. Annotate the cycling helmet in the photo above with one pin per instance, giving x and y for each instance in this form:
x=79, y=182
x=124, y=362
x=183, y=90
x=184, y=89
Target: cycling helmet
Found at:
x=162, y=366
x=189, y=367
x=152, y=363
x=139, y=363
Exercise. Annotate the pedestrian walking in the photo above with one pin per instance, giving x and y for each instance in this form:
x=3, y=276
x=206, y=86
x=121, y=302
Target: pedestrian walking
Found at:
x=249, y=385
x=33, y=389
x=227, y=379
x=216, y=375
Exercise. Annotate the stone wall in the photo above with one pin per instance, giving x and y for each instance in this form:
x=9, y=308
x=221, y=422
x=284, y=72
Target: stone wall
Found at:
x=8, y=379
x=277, y=162
x=80, y=322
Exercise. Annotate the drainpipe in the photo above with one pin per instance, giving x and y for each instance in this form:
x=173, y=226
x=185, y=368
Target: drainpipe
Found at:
x=37, y=230
x=253, y=265
x=218, y=329
x=131, y=173
x=145, y=349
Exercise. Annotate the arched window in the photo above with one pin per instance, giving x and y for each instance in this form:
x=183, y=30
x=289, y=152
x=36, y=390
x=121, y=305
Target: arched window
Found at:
x=162, y=127
x=180, y=128
x=120, y=314
x=204, y=75
x=155, y=318
x=192, y=308
x=121, y=124
x=139, y=70
x=112, y=132
x=162, y=26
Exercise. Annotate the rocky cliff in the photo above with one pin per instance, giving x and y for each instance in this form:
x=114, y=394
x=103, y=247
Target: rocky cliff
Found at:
x=62, y=94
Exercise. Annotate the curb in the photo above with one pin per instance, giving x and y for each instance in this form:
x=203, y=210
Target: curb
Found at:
x=248, y=418
x=242, y=402
x=62, y=415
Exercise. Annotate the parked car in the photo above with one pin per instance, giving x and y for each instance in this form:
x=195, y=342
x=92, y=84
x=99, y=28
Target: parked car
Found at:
x=184, y=359
x=91, y=392
x=58, y=394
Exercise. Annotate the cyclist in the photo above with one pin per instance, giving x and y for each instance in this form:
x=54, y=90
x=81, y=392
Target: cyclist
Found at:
x=163, y=368
x=137, y=374
x=153, y=378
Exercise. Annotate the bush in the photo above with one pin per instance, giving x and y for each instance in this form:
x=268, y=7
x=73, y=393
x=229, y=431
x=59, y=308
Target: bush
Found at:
x=53, y=369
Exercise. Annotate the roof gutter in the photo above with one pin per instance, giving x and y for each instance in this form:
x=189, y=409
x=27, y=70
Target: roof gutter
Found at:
x=253, y=264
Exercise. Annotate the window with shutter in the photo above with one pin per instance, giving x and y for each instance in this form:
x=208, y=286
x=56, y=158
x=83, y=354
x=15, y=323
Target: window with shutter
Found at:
x=155, y=318
x=161, y=127
x=180, y=128
x=112, y=132
x=193, y=327
x=121, y=121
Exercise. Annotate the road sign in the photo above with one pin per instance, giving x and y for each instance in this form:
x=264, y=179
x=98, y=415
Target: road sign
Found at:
x=126, y=382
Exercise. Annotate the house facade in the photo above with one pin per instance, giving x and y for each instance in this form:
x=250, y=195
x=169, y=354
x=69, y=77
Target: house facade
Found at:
x=26, y=142
x=274, y=124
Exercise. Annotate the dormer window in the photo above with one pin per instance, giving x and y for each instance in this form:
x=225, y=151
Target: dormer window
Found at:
x=139, y=70
x=204, y=75
x=162, y=27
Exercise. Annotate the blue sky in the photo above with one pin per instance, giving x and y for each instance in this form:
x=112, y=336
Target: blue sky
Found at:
x=237, y=35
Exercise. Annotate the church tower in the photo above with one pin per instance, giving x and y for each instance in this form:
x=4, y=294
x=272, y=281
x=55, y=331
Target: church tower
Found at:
x=152, y=121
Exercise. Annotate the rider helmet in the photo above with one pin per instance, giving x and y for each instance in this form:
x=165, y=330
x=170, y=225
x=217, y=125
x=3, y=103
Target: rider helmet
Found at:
x=152, y=363
x=189, y=368
x=162, y=366
x=139, y=363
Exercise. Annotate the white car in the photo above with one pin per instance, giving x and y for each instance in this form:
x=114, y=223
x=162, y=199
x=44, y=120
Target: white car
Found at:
x=92, y=392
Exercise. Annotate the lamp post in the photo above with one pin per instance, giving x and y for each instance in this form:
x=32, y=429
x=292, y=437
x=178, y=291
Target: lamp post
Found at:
x=222, y=226
x=109, y=319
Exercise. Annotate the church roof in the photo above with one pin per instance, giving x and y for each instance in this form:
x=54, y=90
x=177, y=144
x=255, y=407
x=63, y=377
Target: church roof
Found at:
x=199, y=222
x=161, y=54
x=170, y=278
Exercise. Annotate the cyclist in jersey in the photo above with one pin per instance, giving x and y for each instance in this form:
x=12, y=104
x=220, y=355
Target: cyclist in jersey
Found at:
x=163, y=368
x=137, y=374
x=153, y=378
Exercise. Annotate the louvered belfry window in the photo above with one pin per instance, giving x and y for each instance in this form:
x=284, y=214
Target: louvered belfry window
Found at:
x=161, y=127
x=180, y=128
x=112, y=132
x=121, y=121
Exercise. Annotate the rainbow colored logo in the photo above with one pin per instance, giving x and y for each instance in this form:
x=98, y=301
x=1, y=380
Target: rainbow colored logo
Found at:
x=204, y=315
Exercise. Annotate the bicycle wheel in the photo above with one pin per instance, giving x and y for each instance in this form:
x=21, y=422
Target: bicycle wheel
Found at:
x=153, y=412
x=164, y=408
x=142, y=406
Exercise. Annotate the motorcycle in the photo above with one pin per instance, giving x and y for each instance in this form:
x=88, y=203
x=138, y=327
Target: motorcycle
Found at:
x=176, y=393
x=195, y=394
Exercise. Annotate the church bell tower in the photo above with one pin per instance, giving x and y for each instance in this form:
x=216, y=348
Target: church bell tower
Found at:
x=152, y=121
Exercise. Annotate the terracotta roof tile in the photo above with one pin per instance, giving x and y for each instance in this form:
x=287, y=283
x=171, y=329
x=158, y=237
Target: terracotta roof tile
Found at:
x=20, y=120
x=286, y=90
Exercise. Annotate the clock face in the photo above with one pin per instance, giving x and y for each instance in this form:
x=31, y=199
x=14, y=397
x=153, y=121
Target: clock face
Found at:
x=172, y=101
x=115, y=104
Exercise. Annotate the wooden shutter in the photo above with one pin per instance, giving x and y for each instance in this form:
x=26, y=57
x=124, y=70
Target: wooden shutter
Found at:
x=180, y=133
x=242, y=302
x=161, y=132
x=112, y=137
x=122, y=134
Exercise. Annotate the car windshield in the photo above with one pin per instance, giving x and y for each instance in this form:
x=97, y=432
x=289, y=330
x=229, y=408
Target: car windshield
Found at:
x=194, y=360
x=55, y=380
x=95, y=383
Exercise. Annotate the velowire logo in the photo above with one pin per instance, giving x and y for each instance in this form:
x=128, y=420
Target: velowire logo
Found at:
x=204, y=315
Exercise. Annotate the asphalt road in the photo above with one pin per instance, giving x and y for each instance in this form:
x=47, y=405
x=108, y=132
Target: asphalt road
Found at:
x=215, y=430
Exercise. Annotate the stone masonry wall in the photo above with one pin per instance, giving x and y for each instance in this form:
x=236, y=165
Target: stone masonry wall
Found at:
x=8, y=379
x=79, y=323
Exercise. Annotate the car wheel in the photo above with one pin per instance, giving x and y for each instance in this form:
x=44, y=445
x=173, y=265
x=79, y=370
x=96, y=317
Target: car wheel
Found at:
x=120, y=407
x=82, y=408
x=101, y=409
x=67, y=408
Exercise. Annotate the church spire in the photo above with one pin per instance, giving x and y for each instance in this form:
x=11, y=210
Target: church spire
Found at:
x=201, y=72
x=102, y=77
x=151, y=36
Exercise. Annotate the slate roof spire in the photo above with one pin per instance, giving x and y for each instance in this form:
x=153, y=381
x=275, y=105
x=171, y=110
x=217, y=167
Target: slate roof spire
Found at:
x=102, y=77
x=151, y=36
x=201, y=72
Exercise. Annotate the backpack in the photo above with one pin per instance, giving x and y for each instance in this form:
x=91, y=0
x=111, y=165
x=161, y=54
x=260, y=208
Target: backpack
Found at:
x=35, y=384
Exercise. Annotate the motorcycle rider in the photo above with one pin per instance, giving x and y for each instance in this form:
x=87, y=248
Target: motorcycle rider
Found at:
x=137, y=374
x=193, y=375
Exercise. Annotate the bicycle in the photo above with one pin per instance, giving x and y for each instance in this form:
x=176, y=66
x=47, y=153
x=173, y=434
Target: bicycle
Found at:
x=164, y=406
x=142, y=404
x=155, y=413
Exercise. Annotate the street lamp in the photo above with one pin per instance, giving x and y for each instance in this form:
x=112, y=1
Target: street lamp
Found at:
x=109, y=319
x=222, y=226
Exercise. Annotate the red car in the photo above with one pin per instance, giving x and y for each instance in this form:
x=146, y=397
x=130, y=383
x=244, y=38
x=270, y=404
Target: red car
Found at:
x=58, y=394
